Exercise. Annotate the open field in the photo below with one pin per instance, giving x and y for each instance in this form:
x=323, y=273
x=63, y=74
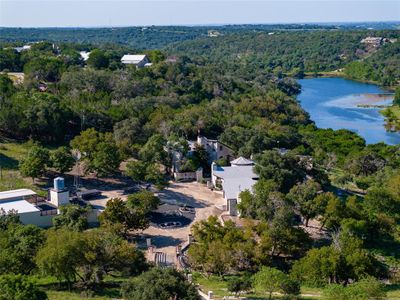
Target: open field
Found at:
x=10, y=156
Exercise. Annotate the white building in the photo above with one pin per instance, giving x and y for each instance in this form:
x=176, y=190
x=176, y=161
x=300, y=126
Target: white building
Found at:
x=84, y=55
x=23, y=48
x=215, y=149
x=29, y=209
x=139, y=60
x=233, y=180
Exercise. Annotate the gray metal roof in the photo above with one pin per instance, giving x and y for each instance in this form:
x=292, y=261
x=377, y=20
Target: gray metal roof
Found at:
x=241, y=161
x=16, y=194
x=236, y=179
x=21, y=206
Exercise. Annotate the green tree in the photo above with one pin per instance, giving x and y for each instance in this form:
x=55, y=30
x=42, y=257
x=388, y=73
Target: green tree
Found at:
x=62, y=254
x=303, y=196
x=136, y=170
x=160, y=284
x=367, y=288
x=153, y=151
x=381, y=201
x=18, y=247
x=269, y=280
x=18, y=287
x=89, y=256
x=155, y=176
x=73, y=217
x=342, y=261
x=99, y=151
x=98, y=59
x=62, y=160
x=396, y=100
x=145, y=201
x=334, y=212
x=239, y=284
x=8, y=218
x=34, y=164
x=119, y=217
x=282, y=169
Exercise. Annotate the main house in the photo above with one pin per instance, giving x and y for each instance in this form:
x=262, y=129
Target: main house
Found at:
x=233, y=180
x=215, y=149
x=138, y=60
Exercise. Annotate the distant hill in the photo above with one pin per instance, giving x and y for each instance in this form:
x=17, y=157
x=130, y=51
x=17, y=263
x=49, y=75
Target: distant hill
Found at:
x=155, y=37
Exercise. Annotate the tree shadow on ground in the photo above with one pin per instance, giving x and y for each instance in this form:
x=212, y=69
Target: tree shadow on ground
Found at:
x=160, y=241
x=7, y=162
x=170, y=196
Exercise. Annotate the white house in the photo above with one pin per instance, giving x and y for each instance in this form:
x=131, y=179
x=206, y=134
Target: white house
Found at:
x=84, y=55
x=23, y=48
x=233, y=180
x=215, y=149
x=139, y=60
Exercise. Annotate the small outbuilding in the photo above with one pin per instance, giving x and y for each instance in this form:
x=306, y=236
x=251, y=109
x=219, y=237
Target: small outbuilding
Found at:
x=139, y=60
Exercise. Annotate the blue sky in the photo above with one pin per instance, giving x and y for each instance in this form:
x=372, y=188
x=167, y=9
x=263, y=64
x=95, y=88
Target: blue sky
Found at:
x=92, y=13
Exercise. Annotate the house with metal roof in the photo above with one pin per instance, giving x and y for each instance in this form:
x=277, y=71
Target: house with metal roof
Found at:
x=233, y=180
x=139, y=60
x=29, y=207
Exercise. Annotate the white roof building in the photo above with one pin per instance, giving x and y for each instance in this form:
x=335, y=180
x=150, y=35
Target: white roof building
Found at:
x=20, y=206
x=84, y=55
x=19, y=194
x=139, y=60
x=235, y=179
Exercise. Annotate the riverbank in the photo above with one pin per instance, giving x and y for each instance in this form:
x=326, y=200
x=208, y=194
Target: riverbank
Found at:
x=334, y=103
x=340, y=74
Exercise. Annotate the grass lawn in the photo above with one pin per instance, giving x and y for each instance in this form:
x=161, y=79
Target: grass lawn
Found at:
x=219, y=288
x=10, y=178
x=110, y=290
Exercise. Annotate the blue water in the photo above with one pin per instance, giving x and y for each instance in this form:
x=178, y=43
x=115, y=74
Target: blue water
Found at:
x=332, y=103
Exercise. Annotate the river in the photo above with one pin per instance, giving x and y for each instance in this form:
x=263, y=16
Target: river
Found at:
x=334, y=103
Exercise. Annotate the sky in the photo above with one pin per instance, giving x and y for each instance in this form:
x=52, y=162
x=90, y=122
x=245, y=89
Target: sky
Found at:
x=94, y=13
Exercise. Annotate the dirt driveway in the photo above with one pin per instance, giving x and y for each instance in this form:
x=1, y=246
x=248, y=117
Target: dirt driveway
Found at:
x=189, y=193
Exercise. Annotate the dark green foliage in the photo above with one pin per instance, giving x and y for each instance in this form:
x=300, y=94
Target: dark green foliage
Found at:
x=98, y=59
x=368, y=288
x=17, y=287
x=282, y=169
x=99, y=151
x=90, y=255
x=44, y=68
x=144, y=201
x=340, y=262
x=396, y=100
x=160, y=284
x=9, y=60
x=73, y=217
x=18, y=247
x=8, y=218
x=270, y=280
x=303, y=195
x=35, y=115
x=62, y=159
x=239, y=284
x=123, y=216
x=34, y=165
x=382, y=66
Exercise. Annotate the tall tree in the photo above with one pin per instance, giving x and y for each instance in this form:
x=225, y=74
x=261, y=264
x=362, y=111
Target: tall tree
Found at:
x=34, y=164
x=160, y=284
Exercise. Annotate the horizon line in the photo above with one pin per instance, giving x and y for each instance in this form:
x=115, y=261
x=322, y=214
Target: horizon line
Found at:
x=201, y=25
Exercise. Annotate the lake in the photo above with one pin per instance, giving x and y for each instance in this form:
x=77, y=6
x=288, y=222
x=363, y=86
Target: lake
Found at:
x=334, y=103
